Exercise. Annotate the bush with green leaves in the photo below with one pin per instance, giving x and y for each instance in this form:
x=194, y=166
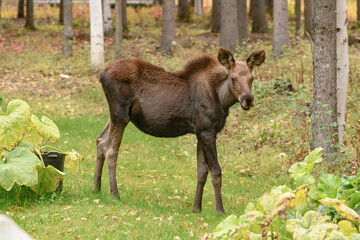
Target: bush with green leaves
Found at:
x=21, y=137
x=328, y=209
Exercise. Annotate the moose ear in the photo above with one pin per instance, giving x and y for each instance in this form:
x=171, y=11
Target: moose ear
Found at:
x=255, y=59
x=226, y=58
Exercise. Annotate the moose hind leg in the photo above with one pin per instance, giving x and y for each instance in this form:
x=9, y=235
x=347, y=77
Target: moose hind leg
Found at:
x=114, y=141
x=202, y=172
x=100, y=158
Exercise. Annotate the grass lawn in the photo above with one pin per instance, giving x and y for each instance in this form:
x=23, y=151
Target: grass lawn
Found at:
x=156, y=176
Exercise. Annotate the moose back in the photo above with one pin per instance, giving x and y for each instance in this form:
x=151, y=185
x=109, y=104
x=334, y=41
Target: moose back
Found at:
x=194, y=100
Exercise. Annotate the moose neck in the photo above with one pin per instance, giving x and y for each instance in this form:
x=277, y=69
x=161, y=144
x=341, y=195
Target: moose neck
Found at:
x=226, y=98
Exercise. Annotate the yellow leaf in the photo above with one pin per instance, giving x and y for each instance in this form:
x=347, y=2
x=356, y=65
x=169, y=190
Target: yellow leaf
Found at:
x=301, y=195
x=342, y=209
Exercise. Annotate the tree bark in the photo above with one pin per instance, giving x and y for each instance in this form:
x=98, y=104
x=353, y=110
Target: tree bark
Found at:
x=124, y=16
x=184, y=11
x=61, y=12
x=107, y=16
x=198, y=7
x=228, y=35
x=118, y=27
x=168, y=25
x=68, y=34
x=342, y=50
x=96, y=35
x=324, y=93
x=0, y=7
x=21, y=6
x=280, y=30
x=242, y=21
x=259, y=24
x=216, y=16
x=29, y=24
x=298, y=17
x=309, y=13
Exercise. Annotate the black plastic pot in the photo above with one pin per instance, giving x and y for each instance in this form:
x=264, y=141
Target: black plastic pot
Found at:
x=57, y=161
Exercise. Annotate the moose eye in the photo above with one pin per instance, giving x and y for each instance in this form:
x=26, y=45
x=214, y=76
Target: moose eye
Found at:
x=233, y=80
x=252, y=79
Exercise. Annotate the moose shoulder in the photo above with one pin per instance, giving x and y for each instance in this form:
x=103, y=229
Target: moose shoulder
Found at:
x=195, y=100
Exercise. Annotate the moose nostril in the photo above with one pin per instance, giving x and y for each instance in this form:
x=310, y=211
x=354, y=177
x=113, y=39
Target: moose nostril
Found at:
x=247, y=100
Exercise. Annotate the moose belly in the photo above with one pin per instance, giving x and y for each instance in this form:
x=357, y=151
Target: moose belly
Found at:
x=159, y=127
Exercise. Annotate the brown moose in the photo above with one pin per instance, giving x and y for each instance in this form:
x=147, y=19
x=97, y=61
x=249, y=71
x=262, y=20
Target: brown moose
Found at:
x=195, y=100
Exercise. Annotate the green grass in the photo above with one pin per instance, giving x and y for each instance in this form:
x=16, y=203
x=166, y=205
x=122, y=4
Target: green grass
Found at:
x=156, y=177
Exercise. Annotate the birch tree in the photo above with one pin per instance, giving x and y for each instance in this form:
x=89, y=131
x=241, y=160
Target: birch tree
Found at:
x=96, y=35
x=68, y=33
x=242, y=21
x=324, y=91
x=198, y=7
x=107, y=16
x=342, y=50
x=281, y=29
x=168, y=25
x=118, y=27
x=228, y=32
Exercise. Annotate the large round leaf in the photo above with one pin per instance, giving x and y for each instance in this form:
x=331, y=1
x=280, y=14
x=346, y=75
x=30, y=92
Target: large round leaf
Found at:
x=18, y=165
x=46, y=128
x=48, y=179
x=14, y=123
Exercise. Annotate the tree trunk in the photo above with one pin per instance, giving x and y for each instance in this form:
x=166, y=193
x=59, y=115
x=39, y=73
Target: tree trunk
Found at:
x=124, y=16
x=68, y=33
x=280, y=30
x=184, y=11
x=29, y=24
x=229, y=33
x=61, y=12
x=198, y=7
x=216, y=16
x=298, y=17
x=309, y=13
x=242, y=21
x=0, y=7
x=259, y=24
x=168, y=25
x=324, y=92
x=107, y=16
x=21, y=6
x=342, y=50
x=96, y=35
x=118, y=27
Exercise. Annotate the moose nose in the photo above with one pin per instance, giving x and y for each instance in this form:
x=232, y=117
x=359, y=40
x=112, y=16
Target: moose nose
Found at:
x=247, y=101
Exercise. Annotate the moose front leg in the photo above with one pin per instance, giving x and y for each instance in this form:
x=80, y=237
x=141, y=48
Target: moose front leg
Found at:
x=202, y=172
x=208, y=143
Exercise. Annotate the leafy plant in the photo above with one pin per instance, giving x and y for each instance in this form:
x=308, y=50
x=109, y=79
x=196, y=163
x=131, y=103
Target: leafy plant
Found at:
x=21, y=137
x=312, y=211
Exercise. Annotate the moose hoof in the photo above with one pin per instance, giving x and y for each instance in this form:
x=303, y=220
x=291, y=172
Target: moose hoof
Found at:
x=196, y=210
x=220, y=212
x=115, y=196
